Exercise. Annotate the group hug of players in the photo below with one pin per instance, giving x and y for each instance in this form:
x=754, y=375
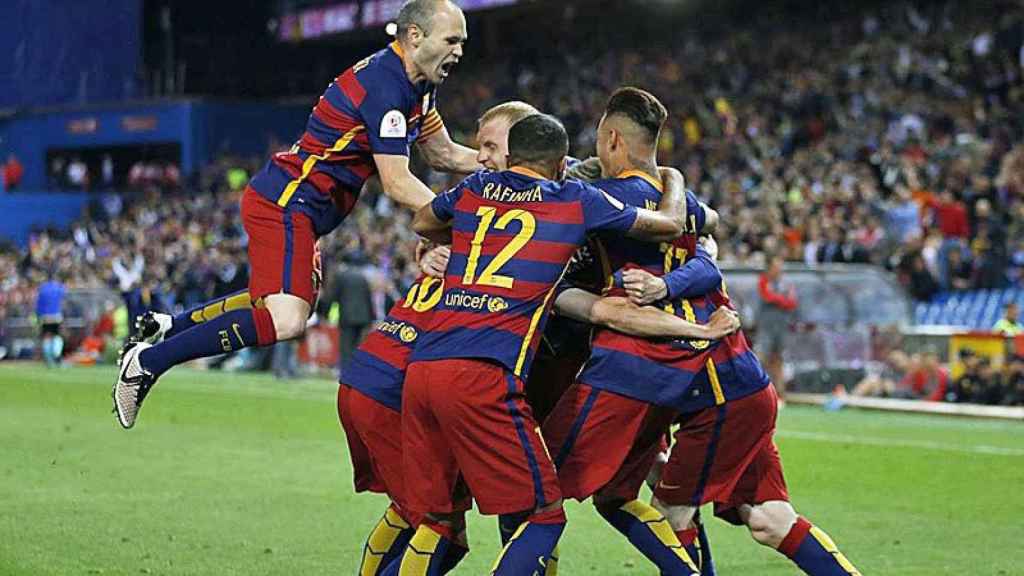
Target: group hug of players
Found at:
x=569, y=315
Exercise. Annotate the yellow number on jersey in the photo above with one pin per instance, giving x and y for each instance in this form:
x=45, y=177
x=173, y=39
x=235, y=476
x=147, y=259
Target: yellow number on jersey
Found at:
x=490, y=277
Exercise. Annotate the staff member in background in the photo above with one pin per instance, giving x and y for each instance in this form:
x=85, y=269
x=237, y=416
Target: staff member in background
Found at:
x=351, y=290
x=773, y=318
x=1008, y=324
x=49, y=306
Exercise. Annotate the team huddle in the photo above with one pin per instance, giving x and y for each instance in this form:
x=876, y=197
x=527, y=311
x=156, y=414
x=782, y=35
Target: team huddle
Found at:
x=569, y=316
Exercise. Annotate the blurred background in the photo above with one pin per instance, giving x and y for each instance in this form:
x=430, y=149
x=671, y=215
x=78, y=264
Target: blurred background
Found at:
x=871, y=150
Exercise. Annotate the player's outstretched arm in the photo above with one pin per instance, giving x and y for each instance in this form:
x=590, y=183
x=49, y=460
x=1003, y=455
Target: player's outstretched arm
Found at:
x=446, y=155
x=399, y=183
x=645, y=322
x=669, y=221
x=426, y=223
x=698, y=276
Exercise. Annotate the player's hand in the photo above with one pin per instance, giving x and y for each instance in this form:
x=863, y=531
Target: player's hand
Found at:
x=709, y=245
x=724, y=321
x=587, y=170
x=435, y=261
x=642, y=287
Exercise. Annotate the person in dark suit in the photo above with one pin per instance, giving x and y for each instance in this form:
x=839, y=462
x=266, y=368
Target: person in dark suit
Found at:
x=351, y=290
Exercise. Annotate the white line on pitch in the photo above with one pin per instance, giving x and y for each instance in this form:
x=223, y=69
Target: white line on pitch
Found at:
x=874, y=441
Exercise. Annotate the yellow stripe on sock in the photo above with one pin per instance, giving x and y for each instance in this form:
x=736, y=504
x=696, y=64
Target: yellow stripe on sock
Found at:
x=416, y=560
x=515, y=535
x=383, y=536
x=832, y=549
x=659, y=526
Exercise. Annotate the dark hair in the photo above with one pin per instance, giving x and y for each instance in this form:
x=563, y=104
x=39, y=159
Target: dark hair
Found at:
x=419, y=13
x=641, y=107
x=539, y=138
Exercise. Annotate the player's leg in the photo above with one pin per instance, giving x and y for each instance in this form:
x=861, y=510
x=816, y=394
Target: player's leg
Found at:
x=281, y=247
x=373, y=434
x=761, y=502
x=153, y=327
x=502, y=457
x=776, y=524
x=617, y=502
x=427, y=457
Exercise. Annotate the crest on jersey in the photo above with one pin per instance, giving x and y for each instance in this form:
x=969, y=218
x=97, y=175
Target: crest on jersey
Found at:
x=407, y=334
x=392, y=125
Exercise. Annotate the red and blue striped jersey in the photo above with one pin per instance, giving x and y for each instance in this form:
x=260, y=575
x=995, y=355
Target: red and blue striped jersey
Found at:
x=513, y=234
x=377, y=368
x=372, y=108
x=655, y=371
x=687, y=375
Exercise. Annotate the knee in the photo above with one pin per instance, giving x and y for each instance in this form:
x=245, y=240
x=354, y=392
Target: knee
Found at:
x=679, y=517
x=769, y=523
x=289, y=314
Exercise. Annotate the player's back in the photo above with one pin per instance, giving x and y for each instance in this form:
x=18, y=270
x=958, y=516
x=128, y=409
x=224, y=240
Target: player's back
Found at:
x=659, y=372
x=513, y=234
x=377, y=367
x=371, y=108
x=644, y=191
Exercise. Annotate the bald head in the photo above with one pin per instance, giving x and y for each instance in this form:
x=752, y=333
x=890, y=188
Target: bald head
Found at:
x=431, y=33
x=420, y=13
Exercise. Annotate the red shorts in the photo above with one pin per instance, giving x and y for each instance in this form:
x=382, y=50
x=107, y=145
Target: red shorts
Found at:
x=374, y=435
x=281, y=249
x=470, y=418
x=726, y=455
x=604, y=443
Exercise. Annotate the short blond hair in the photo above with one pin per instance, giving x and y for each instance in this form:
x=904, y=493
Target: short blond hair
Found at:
x=512, y=112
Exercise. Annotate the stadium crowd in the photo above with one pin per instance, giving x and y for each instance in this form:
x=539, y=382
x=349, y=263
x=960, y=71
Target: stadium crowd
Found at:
x=888, y=136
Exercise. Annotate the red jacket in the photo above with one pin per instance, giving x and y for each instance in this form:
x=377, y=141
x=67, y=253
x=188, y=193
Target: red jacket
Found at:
x=769, y=295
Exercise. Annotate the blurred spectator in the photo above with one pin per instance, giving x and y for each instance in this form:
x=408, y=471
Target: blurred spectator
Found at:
x=49, y=313
x=778, y=302
x=12, y=173
x=1008, y=324
x=959, y=273
x=1014, y=381
x=927, y=380
x=350, y=289
x=107, y=172
x=884, y=383
x=921, y=284
x=78, y=174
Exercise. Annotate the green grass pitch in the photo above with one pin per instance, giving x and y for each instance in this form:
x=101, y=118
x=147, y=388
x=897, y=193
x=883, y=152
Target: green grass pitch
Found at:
x=240, y=474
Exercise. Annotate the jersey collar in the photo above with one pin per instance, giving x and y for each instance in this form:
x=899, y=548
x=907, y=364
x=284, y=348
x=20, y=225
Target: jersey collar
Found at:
x=527, y=172
x=652, y=181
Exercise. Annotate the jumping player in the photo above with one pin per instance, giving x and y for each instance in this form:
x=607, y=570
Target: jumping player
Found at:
x=724, y=453
x=607, y=429
x=363, y=125
x=463, y=411
x=369, y=397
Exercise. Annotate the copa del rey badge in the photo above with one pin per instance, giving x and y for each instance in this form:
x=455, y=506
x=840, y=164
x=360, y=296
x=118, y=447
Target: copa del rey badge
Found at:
x=392, y=125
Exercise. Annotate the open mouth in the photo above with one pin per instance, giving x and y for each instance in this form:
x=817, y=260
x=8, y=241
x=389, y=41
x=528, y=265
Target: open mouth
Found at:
x=447, y=68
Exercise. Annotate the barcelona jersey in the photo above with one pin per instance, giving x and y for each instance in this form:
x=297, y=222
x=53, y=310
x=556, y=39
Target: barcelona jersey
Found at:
x=659, y=372
x=372, y=108
x=513, y=234
x=377, y=368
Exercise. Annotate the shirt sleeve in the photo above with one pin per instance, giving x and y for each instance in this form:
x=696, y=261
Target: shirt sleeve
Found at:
x=384, y=112
x=697, y=277
x=443, y=205
x=601, y=211
x=432, y=125
x=695, y=212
